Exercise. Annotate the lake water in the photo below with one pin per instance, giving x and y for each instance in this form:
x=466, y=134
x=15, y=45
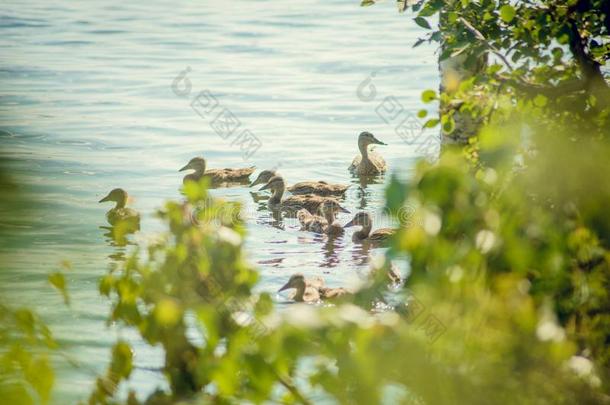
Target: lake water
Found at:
x=87, y=105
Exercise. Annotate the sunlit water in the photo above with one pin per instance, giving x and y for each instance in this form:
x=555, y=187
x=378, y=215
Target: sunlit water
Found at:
x=87, y=105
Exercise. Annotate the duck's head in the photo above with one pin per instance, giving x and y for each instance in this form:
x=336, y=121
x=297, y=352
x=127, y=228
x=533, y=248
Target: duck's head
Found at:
x=274, y=183
x=118, y=195
x=331, y=207
x=196, y=163
x=366, y=138
x=360, y=219
x=263, y=177
x=297, y=280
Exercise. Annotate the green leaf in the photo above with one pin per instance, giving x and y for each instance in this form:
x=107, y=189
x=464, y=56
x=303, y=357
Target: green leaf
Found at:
x=428, y=95
x=422, y=22
x=448, y=125
x=507, y=13
x=58, y=281
x=419, y=42
x=40, y=375
x=431, y=123
x=395, y=194
x=122, y=360
x=563, y=39
x=430, y=9
x=422, y=113
x=540, y=100
x=366, y=3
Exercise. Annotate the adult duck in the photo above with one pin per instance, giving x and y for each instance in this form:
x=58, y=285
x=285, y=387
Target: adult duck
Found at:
x=304, y=292
x=320, y=188
x=363, y=219
x=216, y=176
x=294, y=203
x=121, y=213
x=310, y=292
x=369, y=163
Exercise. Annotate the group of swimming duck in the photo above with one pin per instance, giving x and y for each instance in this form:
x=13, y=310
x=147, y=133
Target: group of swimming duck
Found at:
x=314, y=203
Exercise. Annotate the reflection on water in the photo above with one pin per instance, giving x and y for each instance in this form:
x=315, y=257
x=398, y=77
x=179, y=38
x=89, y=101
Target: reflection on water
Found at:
x=87, y=106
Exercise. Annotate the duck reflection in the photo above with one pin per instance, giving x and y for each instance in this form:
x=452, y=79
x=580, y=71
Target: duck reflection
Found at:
x=361, y=193
x=332, y=247
x=117, y=238
x=260, y=199
x=275, y=218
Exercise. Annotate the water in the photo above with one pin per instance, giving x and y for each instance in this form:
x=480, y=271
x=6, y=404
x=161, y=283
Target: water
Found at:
x=87, y=105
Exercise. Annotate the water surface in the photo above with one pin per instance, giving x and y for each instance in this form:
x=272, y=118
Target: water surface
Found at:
x=87, y=105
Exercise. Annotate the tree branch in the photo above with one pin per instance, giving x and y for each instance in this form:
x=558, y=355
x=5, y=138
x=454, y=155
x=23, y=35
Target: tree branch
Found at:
x=478, y=35
x=292, y=388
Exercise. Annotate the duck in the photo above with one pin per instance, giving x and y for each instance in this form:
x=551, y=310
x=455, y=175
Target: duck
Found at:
x=368, y=162
x=320, y=188
x=313, y=290
x=120, y=212
x=305, y=218
x=324, y=223
x=294, y=203
x=390, y=273
x=304, y=292
x=198, y=164
x=329, y=293
x=363, y=219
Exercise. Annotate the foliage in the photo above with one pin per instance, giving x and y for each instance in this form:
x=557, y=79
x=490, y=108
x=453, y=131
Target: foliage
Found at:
x=512, y=264
x=26, y=373
x=26, y=343
x=197, y=274
x=548, y=53
x=508, y=297
x=538, y=230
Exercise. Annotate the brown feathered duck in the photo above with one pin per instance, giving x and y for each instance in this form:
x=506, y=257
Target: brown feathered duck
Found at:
x=320, y=188
x=368, y=163
x=309, y=292
x=293, y=203
x=364, y=220
x=120, y=212
x=216, y=176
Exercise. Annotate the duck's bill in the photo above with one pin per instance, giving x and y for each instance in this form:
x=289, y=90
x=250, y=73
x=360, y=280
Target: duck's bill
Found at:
x=341, y=209
x=284, y=287
x=184, y=168
x=350, y=223
x=107, y=198
x=265, y=187
x=378, y=142
x=255, y=182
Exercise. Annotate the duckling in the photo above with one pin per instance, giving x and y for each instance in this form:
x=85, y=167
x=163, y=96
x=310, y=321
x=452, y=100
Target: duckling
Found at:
x=325, y=223
x=295, y=202
x=121, y=213
x=310, y=222
x=329, y=210
x=315, y=282
x=198, y=164
x=304, y=292
x=305, y=218
x=363, y=219
x=328, y=293
x=320, y=188
x=368, y=163
x=387, y=272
